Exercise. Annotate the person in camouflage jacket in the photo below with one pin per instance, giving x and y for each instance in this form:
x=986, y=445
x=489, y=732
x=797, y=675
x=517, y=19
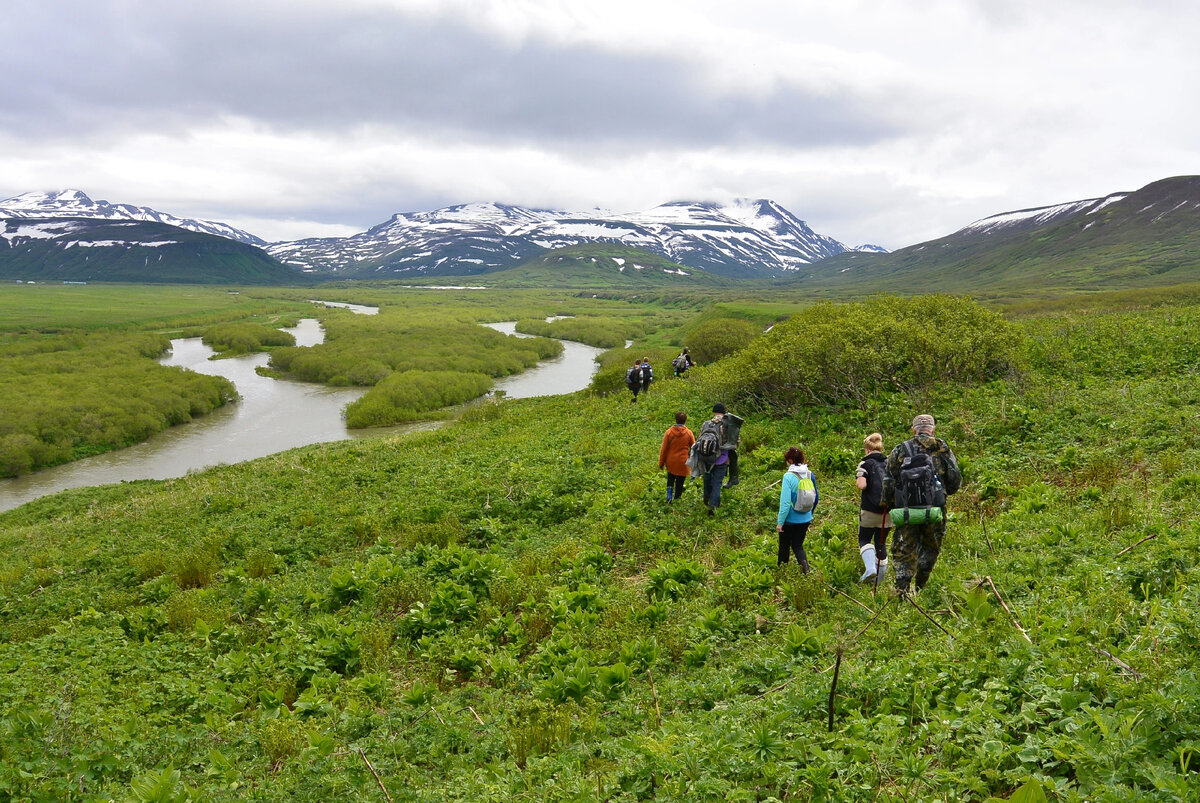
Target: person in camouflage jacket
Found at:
x=915, y=547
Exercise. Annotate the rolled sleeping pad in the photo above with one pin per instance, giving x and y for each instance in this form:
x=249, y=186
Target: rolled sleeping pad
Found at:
x=917, y=515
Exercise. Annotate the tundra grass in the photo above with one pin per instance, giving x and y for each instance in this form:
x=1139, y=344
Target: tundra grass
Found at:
x=508, y=609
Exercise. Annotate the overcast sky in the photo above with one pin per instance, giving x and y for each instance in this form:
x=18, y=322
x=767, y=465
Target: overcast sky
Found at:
x=886, y=122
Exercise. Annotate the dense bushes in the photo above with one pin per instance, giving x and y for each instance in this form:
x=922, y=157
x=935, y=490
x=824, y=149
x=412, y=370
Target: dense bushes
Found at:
x=405, y=396
x=836, y=353
x=67, y=397
x=244, y=338
x=718, y=338
x=601, y=332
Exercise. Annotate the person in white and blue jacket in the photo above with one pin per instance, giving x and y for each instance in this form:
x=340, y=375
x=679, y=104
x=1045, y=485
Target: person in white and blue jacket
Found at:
x=792, y=525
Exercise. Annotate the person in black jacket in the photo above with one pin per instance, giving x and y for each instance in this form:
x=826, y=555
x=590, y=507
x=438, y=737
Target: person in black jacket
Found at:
x=873, y=519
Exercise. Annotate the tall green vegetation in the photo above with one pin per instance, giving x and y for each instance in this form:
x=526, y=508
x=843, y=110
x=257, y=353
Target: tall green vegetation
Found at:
x=847, y=353
x=508, y=608
x=65, y=397
x=245, y=338
x=717, y=338
x=419, y=356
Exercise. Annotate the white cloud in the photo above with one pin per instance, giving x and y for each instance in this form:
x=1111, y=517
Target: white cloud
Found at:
x=888, y=122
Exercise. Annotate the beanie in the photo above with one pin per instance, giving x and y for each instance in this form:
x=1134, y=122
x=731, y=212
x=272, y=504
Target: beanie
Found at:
x=718, y=407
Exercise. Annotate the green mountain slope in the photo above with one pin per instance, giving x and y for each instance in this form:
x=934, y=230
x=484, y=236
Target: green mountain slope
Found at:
x=79, y=249
x=597, y=265
x=1146, y=238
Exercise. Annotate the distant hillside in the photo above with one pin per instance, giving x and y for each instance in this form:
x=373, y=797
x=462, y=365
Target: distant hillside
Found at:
x=1146, y=238
x=77, y=204
x=101, y=250
x=600, y=266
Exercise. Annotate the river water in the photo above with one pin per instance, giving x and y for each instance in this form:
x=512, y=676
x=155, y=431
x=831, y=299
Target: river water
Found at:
x=272, y=416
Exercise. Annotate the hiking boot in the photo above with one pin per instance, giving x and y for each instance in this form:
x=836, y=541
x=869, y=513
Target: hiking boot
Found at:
x=867, y=552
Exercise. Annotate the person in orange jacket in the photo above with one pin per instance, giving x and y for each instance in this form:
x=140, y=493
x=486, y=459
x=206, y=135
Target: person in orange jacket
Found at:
x=676, y=444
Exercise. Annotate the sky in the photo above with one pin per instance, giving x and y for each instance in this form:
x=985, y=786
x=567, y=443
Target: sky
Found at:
x=889, y=122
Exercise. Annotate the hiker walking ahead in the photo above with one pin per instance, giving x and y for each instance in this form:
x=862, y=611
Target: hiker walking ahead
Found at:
x=873, y=519
x=714, y=458
x=647, y=374
x=633, y=378
x=681, y=363
x=920, y=473
x=676, y=444
x=797, y=500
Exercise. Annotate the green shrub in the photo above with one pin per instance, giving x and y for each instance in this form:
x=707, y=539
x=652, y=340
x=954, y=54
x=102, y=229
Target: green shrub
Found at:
x=716, y=339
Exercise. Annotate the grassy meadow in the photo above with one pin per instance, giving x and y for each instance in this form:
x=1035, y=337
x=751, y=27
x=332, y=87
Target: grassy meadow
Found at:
x=508, y=609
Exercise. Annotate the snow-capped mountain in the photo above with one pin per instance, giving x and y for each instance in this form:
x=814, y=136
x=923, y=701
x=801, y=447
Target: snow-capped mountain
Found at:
x=76, y=204
x=745, y=238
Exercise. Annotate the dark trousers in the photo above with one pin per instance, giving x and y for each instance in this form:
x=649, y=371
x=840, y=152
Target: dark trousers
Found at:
x=675, y=485
x=878, y=535
x=733, y=472
x=915, y=550
x=792, y=538
x=712, y=485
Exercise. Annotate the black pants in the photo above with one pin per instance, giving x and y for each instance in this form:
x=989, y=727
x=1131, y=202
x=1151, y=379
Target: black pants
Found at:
x=792, y=538
x=732, y=476
x=878, y=535
x=675, y=485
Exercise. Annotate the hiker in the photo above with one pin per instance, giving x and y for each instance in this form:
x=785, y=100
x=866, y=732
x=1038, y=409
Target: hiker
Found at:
x=797, y=501
x=714, y=456
x=633, y=378
x=681, y=363
x=647, y=374
x=919, y=474
x=676, y=445
x=873, y=519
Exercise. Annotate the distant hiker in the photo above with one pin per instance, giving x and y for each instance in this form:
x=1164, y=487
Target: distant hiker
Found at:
x=919, y=474
x=647, y=374
x=797, y=501
x=714, y=457
x=633, y=378
x=873, y=519
x=676, y=445
x=681, y=363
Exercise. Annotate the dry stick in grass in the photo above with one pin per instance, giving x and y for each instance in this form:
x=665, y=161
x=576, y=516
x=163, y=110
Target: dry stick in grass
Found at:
x=837, y=668
x=852, y=599
x=1139, y=543
x=1012, y=615
x=1124, y=666
x=654, y=691
x=909, y=597
x=436, y=714
x=472, y=710
x=378, y=780
x=983, y=524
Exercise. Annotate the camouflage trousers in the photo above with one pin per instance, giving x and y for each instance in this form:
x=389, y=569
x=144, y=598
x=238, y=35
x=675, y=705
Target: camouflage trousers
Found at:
x=915, y=550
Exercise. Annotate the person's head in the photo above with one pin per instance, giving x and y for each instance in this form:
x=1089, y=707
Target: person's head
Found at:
x=646, y=360
x=718, y=409
x=794, y=456
x=637, y=363
x=923, y=424
x=685, y=351
x=873, y=443
x=681, y=418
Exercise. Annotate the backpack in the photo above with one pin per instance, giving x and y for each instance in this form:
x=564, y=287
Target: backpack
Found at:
x=708, y=444
x=919, y=484
x=806, y=494
x=679, y=364
x=647, y=374
x=633, y=378
x=872, y=495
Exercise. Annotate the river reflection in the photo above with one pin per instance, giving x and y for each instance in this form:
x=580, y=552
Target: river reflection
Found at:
x=272, y=416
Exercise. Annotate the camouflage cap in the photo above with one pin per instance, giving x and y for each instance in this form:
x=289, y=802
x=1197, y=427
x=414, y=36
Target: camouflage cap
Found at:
x=923, y=423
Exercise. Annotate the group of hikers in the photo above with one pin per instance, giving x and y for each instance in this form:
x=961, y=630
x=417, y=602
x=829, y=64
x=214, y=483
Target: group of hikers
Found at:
x=639, y=376
x=906, y=490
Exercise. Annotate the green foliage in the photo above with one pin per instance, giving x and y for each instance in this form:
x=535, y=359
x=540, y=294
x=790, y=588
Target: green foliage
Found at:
x=718, y=338
x=492, y=610
x=409, y=395
x=850, y=353
x=244, y=338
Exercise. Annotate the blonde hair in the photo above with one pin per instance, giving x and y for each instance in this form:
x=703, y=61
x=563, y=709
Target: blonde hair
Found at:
x=873, y=442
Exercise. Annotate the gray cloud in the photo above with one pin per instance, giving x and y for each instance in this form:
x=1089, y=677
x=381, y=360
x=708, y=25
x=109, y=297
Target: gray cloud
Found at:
x=93, y=69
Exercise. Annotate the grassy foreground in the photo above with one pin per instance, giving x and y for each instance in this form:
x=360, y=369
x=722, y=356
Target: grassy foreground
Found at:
x=507, y=608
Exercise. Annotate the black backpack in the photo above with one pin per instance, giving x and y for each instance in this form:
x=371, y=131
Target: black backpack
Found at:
x=919, y=484
x=872, y=495
x=633, y=378
x=708, y=445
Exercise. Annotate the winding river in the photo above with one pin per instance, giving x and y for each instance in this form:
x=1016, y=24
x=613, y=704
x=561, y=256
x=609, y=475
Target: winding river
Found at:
x=272, y=416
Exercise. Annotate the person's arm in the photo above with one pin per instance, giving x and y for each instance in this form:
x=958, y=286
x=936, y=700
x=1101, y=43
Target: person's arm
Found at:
x=785, y=501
